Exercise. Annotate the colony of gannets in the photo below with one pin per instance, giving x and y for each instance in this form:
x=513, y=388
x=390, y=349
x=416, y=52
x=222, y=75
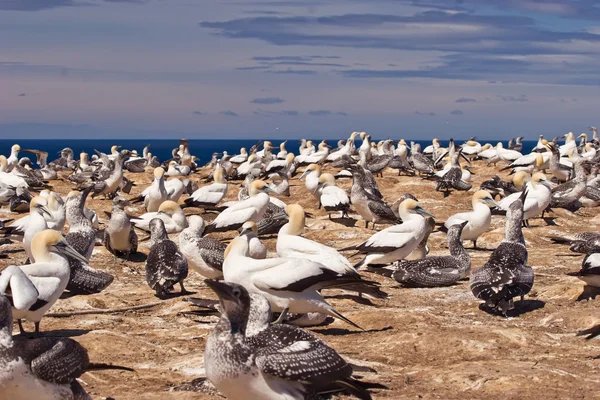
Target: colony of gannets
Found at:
x=276, y=360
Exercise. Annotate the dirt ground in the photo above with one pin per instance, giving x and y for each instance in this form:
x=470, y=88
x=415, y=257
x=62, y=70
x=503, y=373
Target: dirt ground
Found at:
x=424, y=343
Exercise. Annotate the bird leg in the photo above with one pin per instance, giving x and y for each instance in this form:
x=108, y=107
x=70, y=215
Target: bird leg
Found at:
x=182, y=288
x=282, y=316
x=22, y=331
x=37, y=327
x=475, y=243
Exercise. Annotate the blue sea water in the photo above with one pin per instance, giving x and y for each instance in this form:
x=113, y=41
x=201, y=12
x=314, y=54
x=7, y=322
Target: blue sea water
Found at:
x=202, y=149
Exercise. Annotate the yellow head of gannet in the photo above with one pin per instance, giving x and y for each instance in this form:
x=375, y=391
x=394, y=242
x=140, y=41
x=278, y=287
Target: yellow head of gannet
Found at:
x=218, y=175
x=290, y=158
x=282, y=145
x=324, y=145
x=49, y=241
x=486, y=146
x=169, y=207
x=39, y=203
x=471, y=143
x=402, y=142
x=410, y=206
x=312, y=167
x=252, y=158
x=259, y=186
x=267, y=145
x=539, y=161
x=3, y=163
x=297, y=219
x=249, y=226
x=15, y=148
x=520, y=179
x=114, y=149
x=310, y=144
x=363, y=135
x=159, y=172
x=540, y=179
x=483, y=196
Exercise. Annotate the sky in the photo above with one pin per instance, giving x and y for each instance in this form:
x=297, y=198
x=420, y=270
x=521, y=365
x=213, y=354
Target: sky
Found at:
x=298, y=68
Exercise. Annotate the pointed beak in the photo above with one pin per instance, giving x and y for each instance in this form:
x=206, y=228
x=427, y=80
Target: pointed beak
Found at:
x=464, y=157
x=306, y=171
x=221, y=289
x=267, y=189
x=44, y=210
x=72, y=253
x=245, y=231
x=422, y=211
x=491, y=202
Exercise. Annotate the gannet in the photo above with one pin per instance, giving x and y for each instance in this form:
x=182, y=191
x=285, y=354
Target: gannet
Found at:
x=567, y=195
x=422, y=249
x=506, y=274
x=280, y=184
x=478, y=221
x=119, y=236
x=83, y=165
x=453, y=177
x=37, y=223
x=290, y=284
x=590, y=269
x=251, y=166
x=378, y=163
x=246, y=357
x=312, y=173
x=471, y=148
x=240, y=158
x=285, y=166
x=309, y=148
x=10, y=179
x=558, y=168
x=13, y=159
x=437, y=270
x=506, y=154
x=135, y=163
x=165, y=265
x=316, y=157
x=420, y=163
x=81, y=232
x=498, y=187
x=489, y=154
x=169, y=212
x=177, y=170
x=569, y=146
x=115, y=178
x=155, y=194
x=250, y=209
x=205, y=255
x=291, y=245
x=49, y=274
x=364, y=151
x=209, y=196
x=56, y=219
x=398, y=241
x=435, y=143
x=585, y=242
x=332, y=197
x=282, y=151
x=370, y=207
x=538, y=197
x=348, y=149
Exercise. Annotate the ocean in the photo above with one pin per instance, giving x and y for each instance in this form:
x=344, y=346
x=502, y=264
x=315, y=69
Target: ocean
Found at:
x=203, y=148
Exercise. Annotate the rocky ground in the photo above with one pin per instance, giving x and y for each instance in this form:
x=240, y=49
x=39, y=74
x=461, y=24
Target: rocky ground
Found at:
x=424, y=343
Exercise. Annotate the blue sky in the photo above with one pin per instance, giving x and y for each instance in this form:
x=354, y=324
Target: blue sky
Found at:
x=393, y=68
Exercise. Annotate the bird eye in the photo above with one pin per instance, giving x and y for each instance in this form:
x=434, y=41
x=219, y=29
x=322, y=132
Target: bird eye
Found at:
x=236, y=292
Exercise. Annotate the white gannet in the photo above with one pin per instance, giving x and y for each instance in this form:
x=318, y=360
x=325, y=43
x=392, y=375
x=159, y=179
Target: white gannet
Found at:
x=316, y=157
x=436, y=271
x=285, y=166
x=280, y=184
x=211, y=195
x=250, y=166
x=165, y=265
x=290, y=284
x=538, y=197
x=37, y=223
x=558, y=166
x=364, y=151
x=309, y=148
x=569, y=146
x=154, y=195
x=256, y=249
x=291, y=245
x=250, y=209
x=205, y=255
x=83, y=165
x=453, y=177
x=471, y=148
x=489, y=154
x=119, y=236
x=49, y=274
x=169, y=212
x=478, y=220
x=529, y=163
x=115, y=178
x=177, y=170
x=240, y=158
x=246, y=357
x=541, y=144
x=590, y=269
x=9, y=179
x=13, y=159
x=435, y=144
x=506, y=274
x=282, y=151
x=506, y=154
x=398, y=241
x=348, y=149
x=332, y=197
x=312, y=173
x=56, y=220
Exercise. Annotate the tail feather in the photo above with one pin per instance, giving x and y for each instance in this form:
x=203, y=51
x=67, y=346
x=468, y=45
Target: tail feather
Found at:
x=360, y=263
x=351, y=386
x=102, y=366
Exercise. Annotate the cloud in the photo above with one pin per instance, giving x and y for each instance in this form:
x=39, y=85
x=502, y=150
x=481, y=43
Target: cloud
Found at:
x=427, y=114
x=22, y=94
x=268, y=100
x=229, y=113
x=267, y=113
x=343, y=114
x=456, y=112
x=38, y=5
x=319, y=113
x=465, y=100
x=521, y=98
x=198, y=113
x=293, y=72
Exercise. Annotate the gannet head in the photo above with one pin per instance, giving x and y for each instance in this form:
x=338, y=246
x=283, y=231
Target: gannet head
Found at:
x=120, y=202
x=326, y=179
x=248, y=228
x=540, y=179
x=486, y=146
x=324, y=145
x=51, y=241
x=311, y=168
x=410, y=206
x=243, y=151
x=295, y=212
x=15, y=148
x=235, y=303
x=40, y=204
x=471, y=143
x=159, y=172
x=259, y=186
x=218, y=175
x=484, y=197
x=3, y=163
x=157, y=229
x=290, y=158
x=539, y=161
x=310, y=144
x=196, y=223
x=252, y=158
x=520, y=179
x=282, y=145
x=267, y=145
x=169, y=207
x=583, y=135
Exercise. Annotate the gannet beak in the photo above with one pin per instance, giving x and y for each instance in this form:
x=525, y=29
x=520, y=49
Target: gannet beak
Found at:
x=267, y=189
x=546, y=184
x=306, y=171
x=223, y=290
x=66, y=250
x=422, y=211
x=44, y=210
x=464, y=157
x=245, y=231
x=491, y=202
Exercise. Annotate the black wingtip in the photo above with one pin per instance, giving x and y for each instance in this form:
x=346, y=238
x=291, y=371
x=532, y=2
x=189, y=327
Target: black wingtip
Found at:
x=101, y=366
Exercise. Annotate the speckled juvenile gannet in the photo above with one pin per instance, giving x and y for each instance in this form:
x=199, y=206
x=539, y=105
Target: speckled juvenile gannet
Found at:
x=370, y=207
x=205, y=255
x=585, y=242
x=155, y=194
x=420, y=162
x=290, y=284
x=567, y=195
x=211, y=195
x=165, y=265
x=119, y=236
x=115, y=178
x=49, y=274
x=332, y=197
x=256, y=249
x=248, y=358
x=169, y=212
x=506, y=274
x=398, y=241
x=478, y=220
x=590, y=269
x=250, y=209
x=437, y=270
x=41, y=368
